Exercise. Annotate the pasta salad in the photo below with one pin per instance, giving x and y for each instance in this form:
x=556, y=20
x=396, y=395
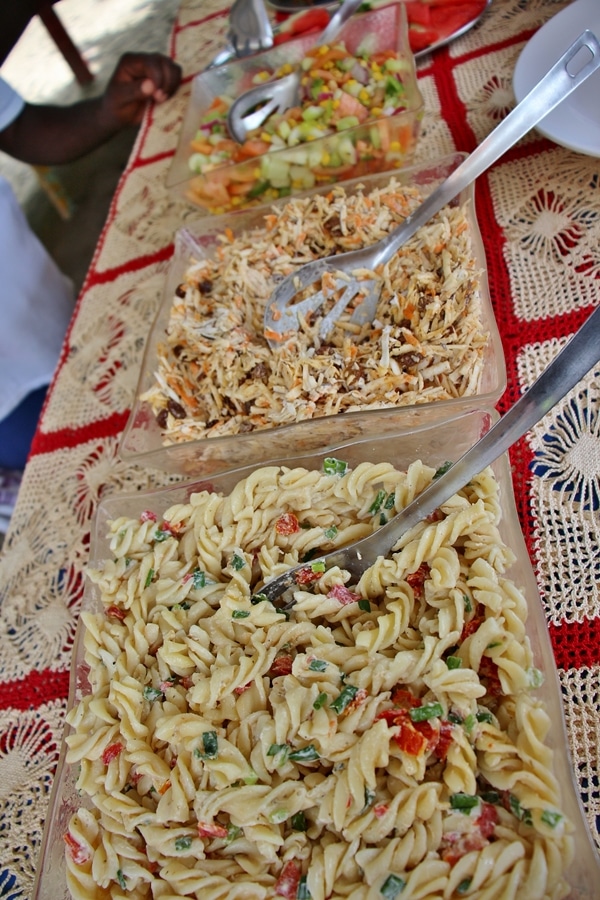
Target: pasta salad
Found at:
x=373, y=740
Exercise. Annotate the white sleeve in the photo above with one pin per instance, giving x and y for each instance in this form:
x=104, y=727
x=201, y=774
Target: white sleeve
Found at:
x=11, y=104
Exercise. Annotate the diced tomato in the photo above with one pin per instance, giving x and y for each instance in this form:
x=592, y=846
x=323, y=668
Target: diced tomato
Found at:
x=116, y=612
x=471, y=627
x=488, y=819
x=242, y=688
x=403, y=699
x=134, y=777
x=78, y=853
x=281, y=665
x=287, y=883
x=444, y=741
x=287, y=524
x=417, y=579
x=488, y=670
x=380, y=810
x=111, y=752
x=461, y=844
x=413, y=738
x=350, y=106
x=148, y=516
x=305, y=576
x=343, y=595
x=186, y=682
x=211, y=830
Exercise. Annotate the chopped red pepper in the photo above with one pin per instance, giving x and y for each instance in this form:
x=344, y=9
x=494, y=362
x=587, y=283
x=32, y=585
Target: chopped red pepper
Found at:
x=115, y=612
x=380, y=810
x=241, y=688
x=111, y=752
x=164, y=787
x=343, y=595
x=416, y=580
x=186, y=682
x=471, y=627
x=287, y=883
x=460, y=844
x=413, y=738
x=281, y=665
x=488, y=819
x=444, y=741
x=212, y=830
x=360, y=697
x=403, y=699
x=148, y=516
x=305, y=576
x=287, y=524
x=78, y=853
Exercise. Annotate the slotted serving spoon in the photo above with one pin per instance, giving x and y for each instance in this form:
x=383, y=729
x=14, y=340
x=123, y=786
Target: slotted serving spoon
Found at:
x=282, y=312
x=281, y=93
x=573, y=362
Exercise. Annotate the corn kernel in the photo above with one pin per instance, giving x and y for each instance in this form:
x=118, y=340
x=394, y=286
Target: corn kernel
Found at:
x=325, y=159
x=286, y=69
x=336, y=104
x=351, y=82
x=364, y=96
x=376, y=111
x=266, y=137
x=375, y=66
x=323, y=50
x=378, y=76
x=236, y=201
x=395, y=146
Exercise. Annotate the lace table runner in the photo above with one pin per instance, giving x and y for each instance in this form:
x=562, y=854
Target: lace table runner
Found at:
x=539, y=213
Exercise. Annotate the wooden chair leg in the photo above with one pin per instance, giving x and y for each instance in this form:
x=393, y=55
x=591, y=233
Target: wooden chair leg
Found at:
x=59, y=35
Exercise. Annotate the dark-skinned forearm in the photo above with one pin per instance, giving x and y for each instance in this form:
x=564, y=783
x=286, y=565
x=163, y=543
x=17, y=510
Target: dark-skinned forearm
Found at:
x=51, y=135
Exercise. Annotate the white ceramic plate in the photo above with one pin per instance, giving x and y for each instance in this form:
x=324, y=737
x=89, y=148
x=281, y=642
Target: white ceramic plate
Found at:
x=576, y=122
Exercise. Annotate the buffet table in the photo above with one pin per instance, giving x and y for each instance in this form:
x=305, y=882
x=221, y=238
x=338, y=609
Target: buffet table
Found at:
x=538, y=210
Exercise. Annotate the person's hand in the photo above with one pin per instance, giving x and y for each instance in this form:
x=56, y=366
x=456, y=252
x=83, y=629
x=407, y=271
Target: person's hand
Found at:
x=138, y=78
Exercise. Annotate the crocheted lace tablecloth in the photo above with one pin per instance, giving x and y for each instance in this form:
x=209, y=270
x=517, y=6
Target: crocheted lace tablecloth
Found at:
x=539, y=213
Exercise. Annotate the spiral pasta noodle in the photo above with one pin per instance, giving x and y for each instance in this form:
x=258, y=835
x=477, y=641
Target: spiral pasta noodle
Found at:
x=374, y=740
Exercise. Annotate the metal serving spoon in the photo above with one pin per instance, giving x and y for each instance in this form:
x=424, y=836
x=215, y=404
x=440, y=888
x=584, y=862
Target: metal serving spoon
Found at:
x=281, y=93
x=573, y=362
x=282, y=310
x=249, y=31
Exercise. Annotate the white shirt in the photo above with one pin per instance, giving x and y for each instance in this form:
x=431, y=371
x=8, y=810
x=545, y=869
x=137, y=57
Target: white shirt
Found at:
x=36, y=299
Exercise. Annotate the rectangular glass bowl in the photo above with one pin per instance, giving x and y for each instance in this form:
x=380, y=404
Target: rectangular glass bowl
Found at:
x=142, y=440
x=382, y=144
x=434, y=439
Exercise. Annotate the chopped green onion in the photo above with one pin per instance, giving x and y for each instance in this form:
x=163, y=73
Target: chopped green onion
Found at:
x=392, y=887
x=442, y=469
x=524, y=815
x=551, y=818
x=149, y=578
x=259, y=188
x=345, y=697
x=252, y=778
x=490, y=796
x=320, y=701
x=469, y=723
x=391, y=501
x=427, y=711
x=183, y=843
x=210, y=744
x=302, y=892
x=454, y=662
x=464, y=885
x=369, y=799
x=299, y=821
x=494, y=644
x=377, y=502
x=317, y=665
x=238, y=562
x=305, y=754
x=364, y=605
x=468, y=604
x=455, y=718
x=330, y=533
x=536, y=678
x=233, y=833
x=199, y=578
x=240, y=614
x=382, y=518
x=121, y=879
x=258, y=598
x=463, y=802
x=484, y=715
x=318, y=566
x=333, y=466
x=160, y=535
x=276, y=749
x=151, y=693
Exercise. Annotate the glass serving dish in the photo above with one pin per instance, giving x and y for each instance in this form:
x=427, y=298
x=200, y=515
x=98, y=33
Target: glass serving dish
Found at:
x=142, y=440
x=434, y=439
x=383, y=144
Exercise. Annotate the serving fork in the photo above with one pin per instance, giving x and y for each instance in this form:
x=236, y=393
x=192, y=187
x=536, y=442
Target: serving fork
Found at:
x=285, y=308
x=249, y=32
x=573, y=362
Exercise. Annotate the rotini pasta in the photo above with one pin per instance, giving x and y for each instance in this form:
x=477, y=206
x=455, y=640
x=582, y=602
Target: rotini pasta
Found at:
x=374, y=740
